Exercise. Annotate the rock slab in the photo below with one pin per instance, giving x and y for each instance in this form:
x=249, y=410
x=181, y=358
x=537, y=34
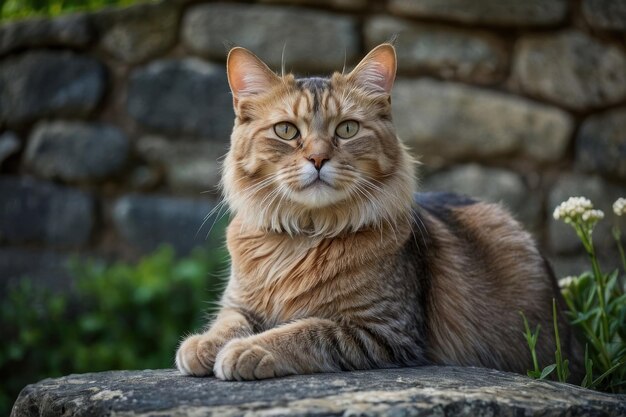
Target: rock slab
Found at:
x=442, y=391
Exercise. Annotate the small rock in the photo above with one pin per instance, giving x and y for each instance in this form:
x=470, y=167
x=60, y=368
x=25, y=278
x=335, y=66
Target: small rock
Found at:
x=189, y=166
x=601, y=143
x=313, y=40
x=146, y=222
x=71, y=30
x=493, y=12
x=138, y=33
x=490, y=184
x=49, y=83
x=605, y=14
x=76, y=151
x=457, y=121
x=441, y=50
x=40, y=212
x=562, y=238
x=571, y=69
x=186, y=96
x=9, y=144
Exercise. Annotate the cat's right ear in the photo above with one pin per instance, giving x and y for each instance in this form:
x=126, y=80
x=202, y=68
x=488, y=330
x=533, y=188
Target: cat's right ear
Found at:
x=247, y=74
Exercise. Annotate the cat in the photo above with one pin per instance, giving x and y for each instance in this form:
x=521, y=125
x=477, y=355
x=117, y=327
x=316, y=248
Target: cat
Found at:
x=336, y=263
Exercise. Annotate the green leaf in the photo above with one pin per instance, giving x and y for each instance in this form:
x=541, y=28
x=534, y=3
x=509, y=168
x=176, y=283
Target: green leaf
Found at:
x=547, y=371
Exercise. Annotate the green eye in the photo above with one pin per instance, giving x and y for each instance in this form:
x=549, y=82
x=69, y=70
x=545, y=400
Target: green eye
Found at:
x=347, y=129
x=286, y=130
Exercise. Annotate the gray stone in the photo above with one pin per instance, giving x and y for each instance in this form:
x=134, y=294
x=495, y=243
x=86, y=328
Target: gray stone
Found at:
x=571, y=69
x=49, y=83
x=313, y=40
x=562, y=238
x=40, y=212
x=187, y=96
x=601, y=143
x=494, y=12
x=440, y=50
x=76, y=151
x=138, y=33
x=605, y=14
x=490, y=184
x=146, y=222
x=454, y=120
x=44, y=268
x=71, y=30
x=188, y=166
x=337, y=4
x=9, y=144
x=424, y=391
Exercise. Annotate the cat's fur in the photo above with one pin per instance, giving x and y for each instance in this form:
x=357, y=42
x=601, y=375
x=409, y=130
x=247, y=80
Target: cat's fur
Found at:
x=353, y=272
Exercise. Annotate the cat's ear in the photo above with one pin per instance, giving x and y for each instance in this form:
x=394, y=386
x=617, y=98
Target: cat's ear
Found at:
x=377, y=71
x=247, y=74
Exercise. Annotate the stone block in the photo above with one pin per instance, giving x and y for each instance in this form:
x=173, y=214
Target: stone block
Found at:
x=188, y=166
x=44, y=268
x=605, y=14
x=49, y=83
x=458, y=121
x=138, y=33
x=9, y=144
x=492, y=12
x=562, y=238
x=146, y=222
x=493, y=185
x=571, y=69
x=601, y=143
x=421, y=391
x=440, y=50
x=336, y=4
x=39, y=212
x=187, y=96
x=313, y=40
x=73, y=30
x=76, y=151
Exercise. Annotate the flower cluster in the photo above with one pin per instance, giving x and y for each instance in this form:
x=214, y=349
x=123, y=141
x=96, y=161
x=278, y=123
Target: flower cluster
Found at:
x=577, y=208
x=619, y=207
x=565, y=282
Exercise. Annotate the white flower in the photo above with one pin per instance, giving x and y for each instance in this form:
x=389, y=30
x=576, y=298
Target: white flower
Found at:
x=567, y=281
x=619, y=207
x=577, y=208
x=593, y=215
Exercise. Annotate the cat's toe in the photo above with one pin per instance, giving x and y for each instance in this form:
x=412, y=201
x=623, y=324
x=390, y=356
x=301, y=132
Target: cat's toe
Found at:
x=243, y=361
x=193, y=357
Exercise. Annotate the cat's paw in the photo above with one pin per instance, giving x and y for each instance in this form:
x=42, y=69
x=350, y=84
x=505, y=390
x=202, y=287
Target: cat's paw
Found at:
x=243, y=360
x=196, y=355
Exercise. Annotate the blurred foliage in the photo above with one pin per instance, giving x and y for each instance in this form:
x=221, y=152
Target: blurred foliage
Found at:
x=19, y=9
x=122, y=316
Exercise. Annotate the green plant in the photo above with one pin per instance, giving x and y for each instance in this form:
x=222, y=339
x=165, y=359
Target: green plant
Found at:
x=122, y=316
x=596, y=306
x=19, y=9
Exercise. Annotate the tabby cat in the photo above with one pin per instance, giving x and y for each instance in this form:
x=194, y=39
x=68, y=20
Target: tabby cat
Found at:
x=336, y=264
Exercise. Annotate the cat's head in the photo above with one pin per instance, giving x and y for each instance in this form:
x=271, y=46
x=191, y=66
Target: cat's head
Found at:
x=316, y=155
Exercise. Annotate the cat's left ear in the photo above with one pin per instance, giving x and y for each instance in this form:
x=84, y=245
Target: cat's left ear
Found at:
x=377, y=71
x=247, y=74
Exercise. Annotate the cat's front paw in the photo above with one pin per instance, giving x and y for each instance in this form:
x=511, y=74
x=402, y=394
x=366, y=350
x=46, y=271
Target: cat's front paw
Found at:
x=243, y=360
x=196, y=355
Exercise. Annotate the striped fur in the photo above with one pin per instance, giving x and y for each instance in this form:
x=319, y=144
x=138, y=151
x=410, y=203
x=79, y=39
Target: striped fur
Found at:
x=352, y=272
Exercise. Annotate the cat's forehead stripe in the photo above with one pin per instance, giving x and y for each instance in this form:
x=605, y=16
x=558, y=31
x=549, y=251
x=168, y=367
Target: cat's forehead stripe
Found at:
x=317, y=86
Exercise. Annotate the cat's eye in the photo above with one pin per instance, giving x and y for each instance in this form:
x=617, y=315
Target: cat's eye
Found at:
x=286, y=130
x=347, y=129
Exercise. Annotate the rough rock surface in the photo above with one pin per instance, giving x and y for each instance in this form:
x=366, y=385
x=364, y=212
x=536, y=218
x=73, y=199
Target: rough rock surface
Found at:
x=605, y=14
x=571, y=69
x=186, y=96
x=46, y=83
x=441, y=50
x=265, y=29
x=454, y=120
x=9, y=144
x=36, y=211
x=146, y=222
x=601, y=143
x=339, y=4
x=426, y=391
x=76, y=151
x=496, y=12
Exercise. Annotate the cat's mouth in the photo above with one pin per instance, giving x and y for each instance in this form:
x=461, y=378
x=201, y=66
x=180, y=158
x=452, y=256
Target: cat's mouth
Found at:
x=317, y=182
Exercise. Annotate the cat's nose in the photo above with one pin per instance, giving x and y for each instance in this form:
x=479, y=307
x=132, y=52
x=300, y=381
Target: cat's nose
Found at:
x=318, y=159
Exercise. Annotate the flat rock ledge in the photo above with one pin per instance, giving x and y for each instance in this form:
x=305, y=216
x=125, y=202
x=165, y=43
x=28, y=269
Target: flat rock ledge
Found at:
x=425, y=391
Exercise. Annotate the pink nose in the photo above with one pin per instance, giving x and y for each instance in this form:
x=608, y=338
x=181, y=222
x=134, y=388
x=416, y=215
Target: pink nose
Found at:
x=318, y=159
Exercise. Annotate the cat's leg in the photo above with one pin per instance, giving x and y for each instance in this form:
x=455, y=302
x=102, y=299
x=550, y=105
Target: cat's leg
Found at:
x=301, y=347
x=196, y=355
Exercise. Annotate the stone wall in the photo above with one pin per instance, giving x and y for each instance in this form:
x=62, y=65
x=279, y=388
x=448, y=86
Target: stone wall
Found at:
x=112, y=123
